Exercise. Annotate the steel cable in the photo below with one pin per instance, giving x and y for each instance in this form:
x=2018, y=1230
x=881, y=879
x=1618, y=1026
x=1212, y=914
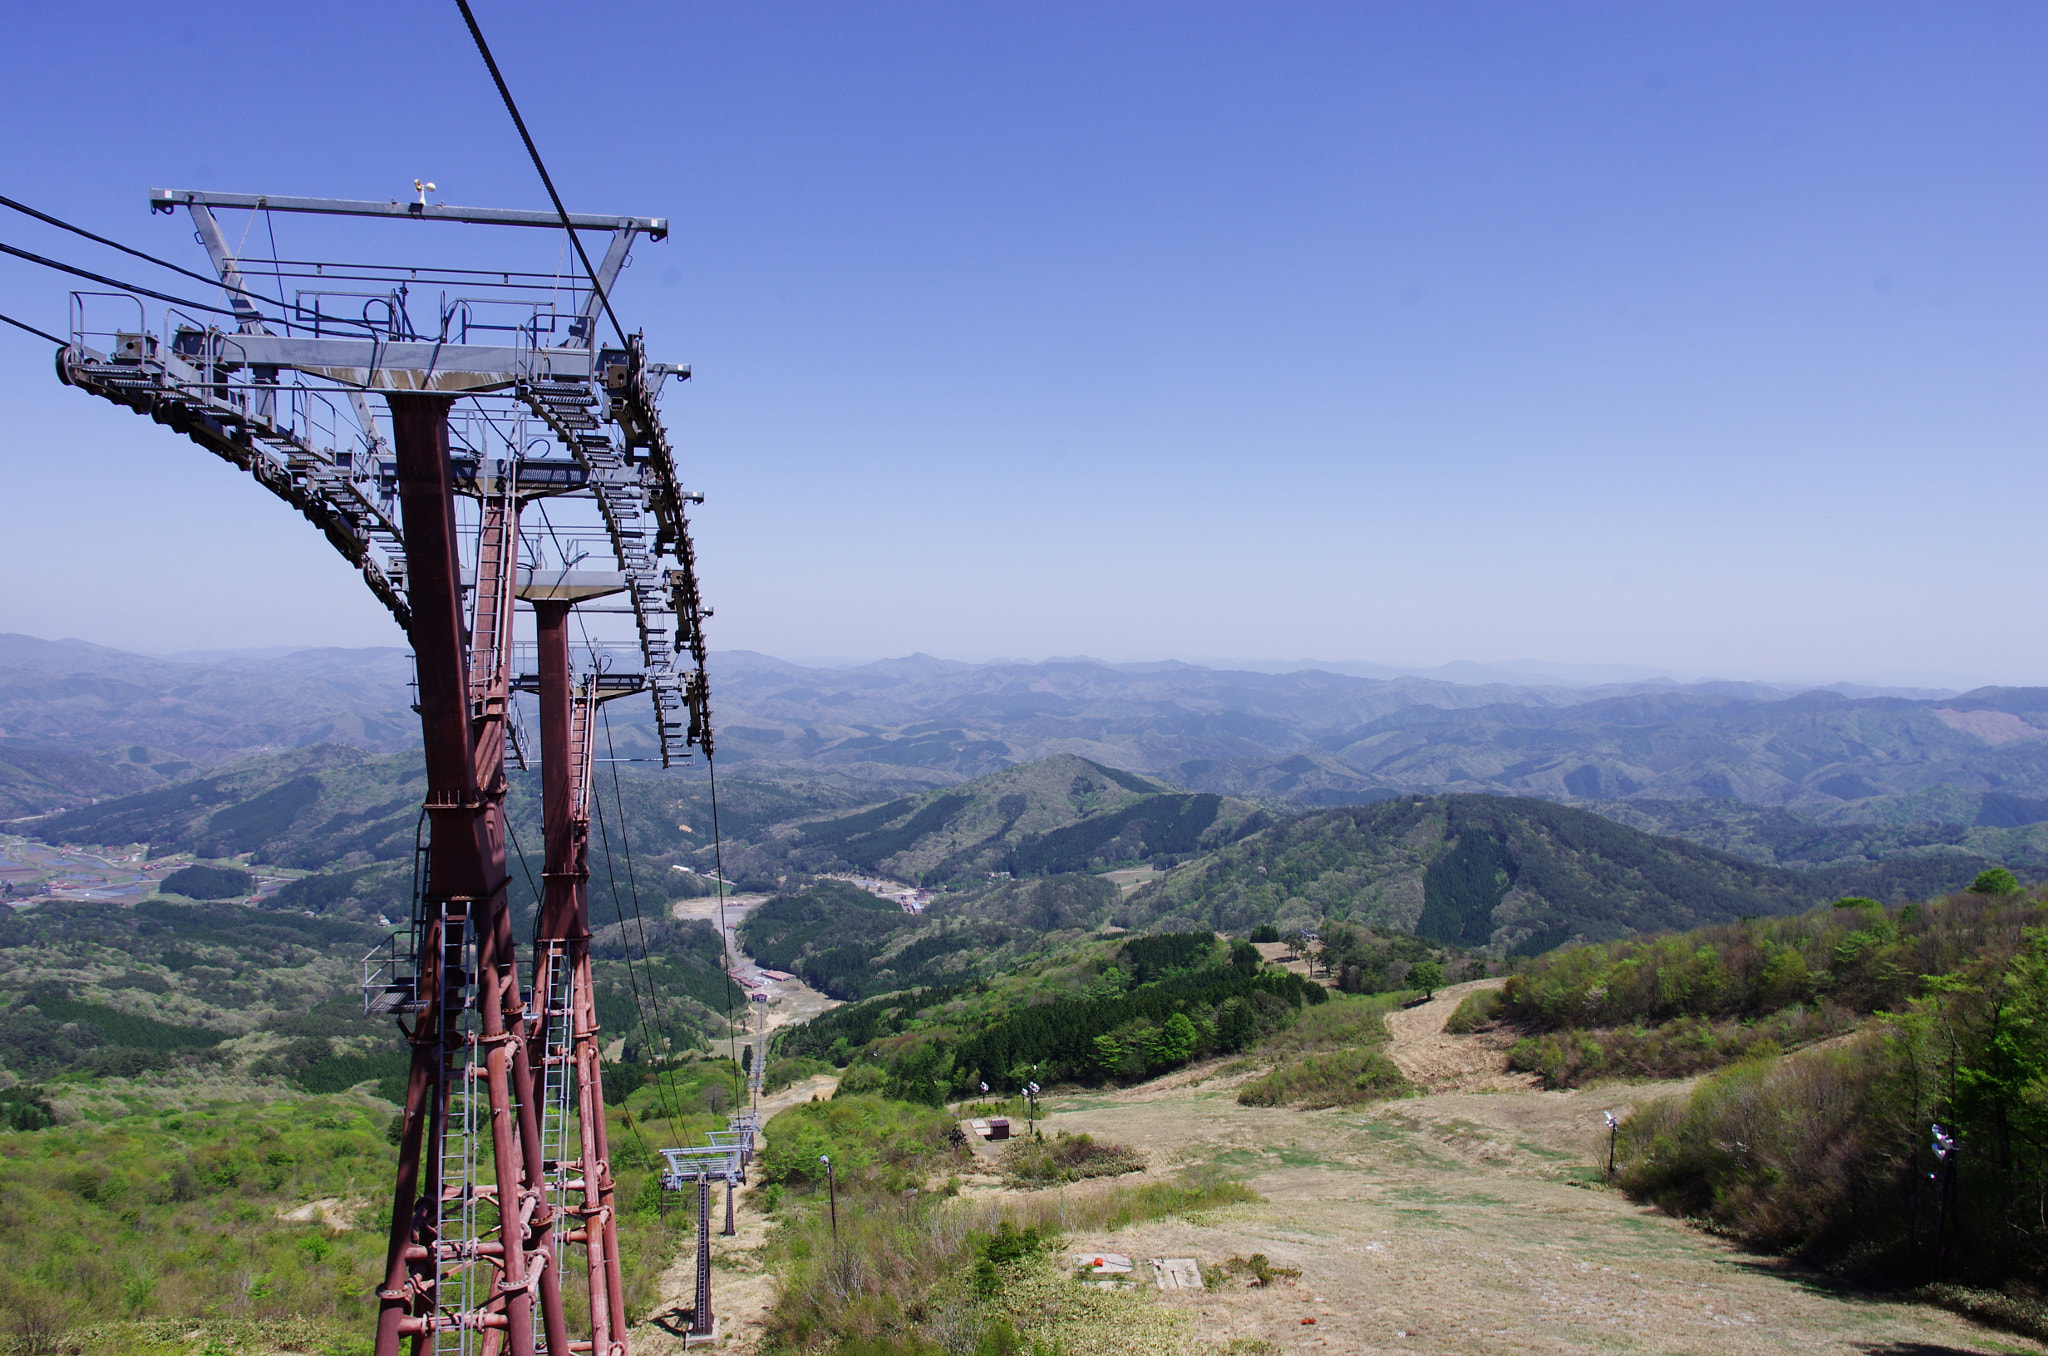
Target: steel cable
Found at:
x=597, y=804
x=63, y=225
x=40, y=334
x=505, y=93
x=646, y=956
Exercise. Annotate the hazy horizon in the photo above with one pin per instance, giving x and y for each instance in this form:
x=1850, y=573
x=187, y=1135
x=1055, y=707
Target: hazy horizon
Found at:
x=1524, y=672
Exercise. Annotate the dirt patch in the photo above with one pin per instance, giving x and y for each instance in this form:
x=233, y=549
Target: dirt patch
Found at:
x=1470, y=1222
x=1436, y=1061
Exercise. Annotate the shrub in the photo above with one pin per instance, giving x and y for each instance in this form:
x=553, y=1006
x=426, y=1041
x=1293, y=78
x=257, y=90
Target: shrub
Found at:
x=873, y=1142
x=920, y=1275
x=1066, y=1158
x=1336, y=1079
x=1675, y=1049
x=1827, y=1150
x=1474, y=1012
x=780, y=1073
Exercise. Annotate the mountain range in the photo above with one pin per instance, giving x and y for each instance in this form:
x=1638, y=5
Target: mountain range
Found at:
x=79, y=721
x=1511, y=874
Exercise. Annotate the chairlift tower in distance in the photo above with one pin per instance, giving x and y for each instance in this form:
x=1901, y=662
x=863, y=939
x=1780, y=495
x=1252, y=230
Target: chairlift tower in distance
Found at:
x=517, y=464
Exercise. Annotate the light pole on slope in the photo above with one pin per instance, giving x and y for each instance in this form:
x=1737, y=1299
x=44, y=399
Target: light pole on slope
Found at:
x=832, y=1194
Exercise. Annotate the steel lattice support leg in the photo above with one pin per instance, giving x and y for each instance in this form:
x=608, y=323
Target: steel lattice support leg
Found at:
x=701, y=1322
x=466, y=875
x=565, y=916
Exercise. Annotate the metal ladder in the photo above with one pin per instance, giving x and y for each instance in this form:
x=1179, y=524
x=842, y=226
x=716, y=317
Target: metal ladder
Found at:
x=458, y=1289
x=496, y=548
x=557, y=1148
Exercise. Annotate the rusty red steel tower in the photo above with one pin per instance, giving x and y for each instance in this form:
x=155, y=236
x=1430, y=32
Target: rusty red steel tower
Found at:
x=518, y=463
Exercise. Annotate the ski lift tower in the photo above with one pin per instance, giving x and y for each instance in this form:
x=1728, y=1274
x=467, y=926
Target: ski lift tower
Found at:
x=517, y=460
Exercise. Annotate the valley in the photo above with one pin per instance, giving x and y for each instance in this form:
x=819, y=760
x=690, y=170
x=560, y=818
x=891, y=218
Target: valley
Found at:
x=962, y=915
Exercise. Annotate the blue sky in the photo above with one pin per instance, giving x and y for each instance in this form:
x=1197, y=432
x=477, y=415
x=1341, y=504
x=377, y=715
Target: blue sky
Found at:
x=1705, y=337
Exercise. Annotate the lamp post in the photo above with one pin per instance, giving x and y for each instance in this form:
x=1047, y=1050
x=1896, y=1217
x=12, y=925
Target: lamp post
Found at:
x=832, y=1194
x=1613, y=1130
x=1031, y=1101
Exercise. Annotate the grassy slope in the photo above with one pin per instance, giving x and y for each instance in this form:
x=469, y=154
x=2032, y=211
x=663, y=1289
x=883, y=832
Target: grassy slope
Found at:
x=1333, y=1055
x=171, y=1209
x=1673, y=1005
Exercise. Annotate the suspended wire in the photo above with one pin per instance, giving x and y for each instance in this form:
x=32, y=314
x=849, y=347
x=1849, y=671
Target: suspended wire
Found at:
x=525, y=869
x=717, y=845
x=646, y=956
x=632, y=980
x=646, y=1157
x=115, y=282
x=40, y=334
x=62, y=225
x=718, y=858
x=117, y=245
x=505, y=93
x=276, y=265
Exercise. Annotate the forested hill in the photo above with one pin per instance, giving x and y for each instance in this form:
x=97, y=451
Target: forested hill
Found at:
x=350, y=818
x=1519, y=875
x=1060, y=814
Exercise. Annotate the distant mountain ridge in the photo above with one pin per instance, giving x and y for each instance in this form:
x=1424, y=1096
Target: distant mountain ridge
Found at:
x=1062, y=814
x=81, y=721
x=1507, y=874
x=1315, y=737
x=100, y=722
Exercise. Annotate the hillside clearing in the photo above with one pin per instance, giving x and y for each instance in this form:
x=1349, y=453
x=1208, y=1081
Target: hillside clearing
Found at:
x=1474, y=1222
x=1437, y=1061
x=1468, y=1221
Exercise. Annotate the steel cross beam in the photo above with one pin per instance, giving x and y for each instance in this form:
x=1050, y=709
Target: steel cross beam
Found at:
x=168, y=199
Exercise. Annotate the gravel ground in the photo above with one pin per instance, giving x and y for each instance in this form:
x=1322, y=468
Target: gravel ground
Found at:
x=1473, y=1220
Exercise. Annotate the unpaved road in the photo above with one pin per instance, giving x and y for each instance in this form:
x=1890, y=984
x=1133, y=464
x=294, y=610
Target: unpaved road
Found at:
x=1436, y=1061
x=1469, y=1221
x=741, y=1288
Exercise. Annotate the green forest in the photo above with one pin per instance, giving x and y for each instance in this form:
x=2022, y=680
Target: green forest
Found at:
x=1125, y=1011
x=851, y=944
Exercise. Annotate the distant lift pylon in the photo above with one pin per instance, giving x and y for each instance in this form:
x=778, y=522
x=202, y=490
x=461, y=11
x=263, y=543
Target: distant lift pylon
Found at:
x=518, y=448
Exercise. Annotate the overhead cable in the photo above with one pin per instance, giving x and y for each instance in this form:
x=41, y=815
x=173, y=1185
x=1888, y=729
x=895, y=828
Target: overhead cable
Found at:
x=505, y=92
x=112, y=282
x=40, y=334
x=633, y=885
x=646, y=1027
x=63, y=225
x=718, y=858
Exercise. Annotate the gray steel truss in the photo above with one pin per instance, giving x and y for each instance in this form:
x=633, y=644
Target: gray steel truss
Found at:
x=285, y=394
